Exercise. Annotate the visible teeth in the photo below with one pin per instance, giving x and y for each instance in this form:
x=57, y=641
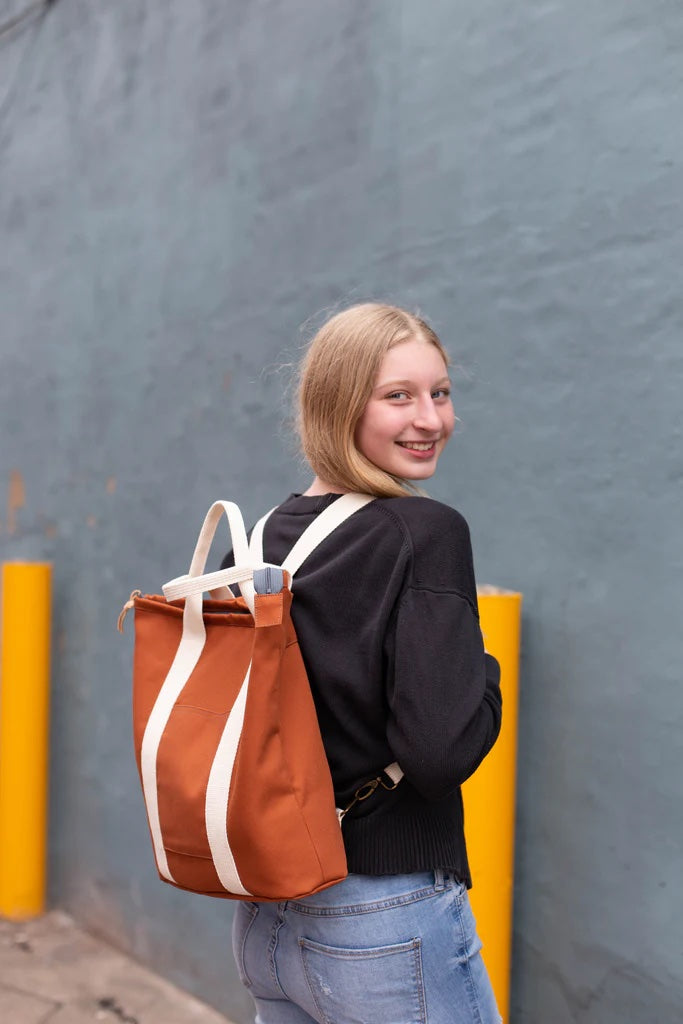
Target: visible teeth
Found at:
x=419, y=446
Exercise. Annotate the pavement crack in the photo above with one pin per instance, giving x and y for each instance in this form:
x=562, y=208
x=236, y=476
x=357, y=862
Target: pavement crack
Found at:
x=111, y=1006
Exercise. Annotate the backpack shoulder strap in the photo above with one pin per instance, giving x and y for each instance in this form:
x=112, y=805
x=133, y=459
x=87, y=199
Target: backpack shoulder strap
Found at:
x=256, y=539
x=321, y=527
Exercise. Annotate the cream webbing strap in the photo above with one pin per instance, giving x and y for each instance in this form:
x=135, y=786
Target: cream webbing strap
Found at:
x=217, y=583
x=183, y=586
x=394, y=771
x=256, y=539
x=321, y=527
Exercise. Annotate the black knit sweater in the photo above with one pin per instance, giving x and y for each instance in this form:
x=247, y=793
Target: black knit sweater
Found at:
x=385, y=610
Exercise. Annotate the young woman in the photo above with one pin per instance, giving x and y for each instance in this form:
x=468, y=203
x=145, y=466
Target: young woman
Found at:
x=386, y=616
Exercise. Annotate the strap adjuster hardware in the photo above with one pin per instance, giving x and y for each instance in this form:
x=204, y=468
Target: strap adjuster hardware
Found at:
x=366, y=790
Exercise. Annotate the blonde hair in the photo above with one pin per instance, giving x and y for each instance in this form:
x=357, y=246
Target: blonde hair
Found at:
x=336, y=378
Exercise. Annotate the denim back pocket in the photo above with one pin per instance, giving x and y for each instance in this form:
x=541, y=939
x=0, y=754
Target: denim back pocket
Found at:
x=346, y=984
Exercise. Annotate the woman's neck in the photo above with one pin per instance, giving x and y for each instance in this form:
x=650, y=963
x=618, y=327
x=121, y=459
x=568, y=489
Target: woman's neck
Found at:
x=322, y=487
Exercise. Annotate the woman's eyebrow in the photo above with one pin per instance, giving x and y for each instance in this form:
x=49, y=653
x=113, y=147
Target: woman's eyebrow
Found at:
x=409, y=383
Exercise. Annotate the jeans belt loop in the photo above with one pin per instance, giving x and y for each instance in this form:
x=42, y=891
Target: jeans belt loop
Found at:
x=439, y=879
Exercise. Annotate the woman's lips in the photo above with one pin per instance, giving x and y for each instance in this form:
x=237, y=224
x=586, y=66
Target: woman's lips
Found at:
x=418, y=449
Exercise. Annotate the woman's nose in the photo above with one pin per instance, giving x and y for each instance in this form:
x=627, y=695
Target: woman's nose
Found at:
x=427, y=416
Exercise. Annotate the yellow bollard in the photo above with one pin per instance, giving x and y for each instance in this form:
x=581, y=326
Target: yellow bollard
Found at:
x=489, y=798
x=24, y=734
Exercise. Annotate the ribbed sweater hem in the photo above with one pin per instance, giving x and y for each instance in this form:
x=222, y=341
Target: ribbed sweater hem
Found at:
x=393, y=844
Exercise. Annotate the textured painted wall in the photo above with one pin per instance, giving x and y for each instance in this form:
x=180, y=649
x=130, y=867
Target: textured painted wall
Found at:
x=181, y=187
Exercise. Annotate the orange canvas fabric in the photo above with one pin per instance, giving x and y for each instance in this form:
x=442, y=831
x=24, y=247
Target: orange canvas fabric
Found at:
x=280, y=820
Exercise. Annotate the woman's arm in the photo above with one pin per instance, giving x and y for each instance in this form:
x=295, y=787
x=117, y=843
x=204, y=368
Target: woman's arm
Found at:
x=444, y=698
x=443, y=689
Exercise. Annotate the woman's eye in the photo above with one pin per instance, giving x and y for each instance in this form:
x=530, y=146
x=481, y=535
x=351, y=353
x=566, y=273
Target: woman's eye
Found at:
x=441, y=393
x=398, y=394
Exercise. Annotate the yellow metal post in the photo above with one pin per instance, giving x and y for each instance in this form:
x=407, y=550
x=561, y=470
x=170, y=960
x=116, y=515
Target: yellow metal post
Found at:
x=489, y=798
x=24, y=733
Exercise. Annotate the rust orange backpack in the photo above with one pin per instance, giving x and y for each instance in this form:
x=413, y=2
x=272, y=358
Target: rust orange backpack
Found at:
x=236, y=784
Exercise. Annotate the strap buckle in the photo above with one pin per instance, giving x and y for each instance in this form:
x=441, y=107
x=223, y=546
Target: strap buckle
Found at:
x=367, y=789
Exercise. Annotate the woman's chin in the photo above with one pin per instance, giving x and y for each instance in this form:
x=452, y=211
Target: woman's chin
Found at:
x=423, y=472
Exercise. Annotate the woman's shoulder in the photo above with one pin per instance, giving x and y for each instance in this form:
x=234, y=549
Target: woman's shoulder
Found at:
x=422, y=516
x=438, y=539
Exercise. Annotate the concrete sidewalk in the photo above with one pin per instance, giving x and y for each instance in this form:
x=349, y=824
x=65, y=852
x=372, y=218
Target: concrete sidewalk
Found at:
x=51, y=972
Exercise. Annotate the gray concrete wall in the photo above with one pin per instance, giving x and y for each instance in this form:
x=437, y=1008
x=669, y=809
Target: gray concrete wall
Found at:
x=181, y=187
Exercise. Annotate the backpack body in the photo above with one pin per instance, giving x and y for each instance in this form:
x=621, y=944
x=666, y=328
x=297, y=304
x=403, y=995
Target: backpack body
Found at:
x=237, y=788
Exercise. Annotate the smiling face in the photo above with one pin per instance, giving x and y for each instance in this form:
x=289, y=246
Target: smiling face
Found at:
x=409, y=416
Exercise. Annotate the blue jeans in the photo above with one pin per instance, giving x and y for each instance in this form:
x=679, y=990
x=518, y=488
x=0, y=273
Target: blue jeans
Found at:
x=396, y=949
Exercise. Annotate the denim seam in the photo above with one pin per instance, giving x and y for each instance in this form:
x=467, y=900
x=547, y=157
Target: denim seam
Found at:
x=471, y=987
x=272, y=950
x=419, y=977
x=354, y=909
x=253, y=910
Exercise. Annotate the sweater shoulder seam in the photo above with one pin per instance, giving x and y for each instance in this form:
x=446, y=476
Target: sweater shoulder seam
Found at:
x=406, y=539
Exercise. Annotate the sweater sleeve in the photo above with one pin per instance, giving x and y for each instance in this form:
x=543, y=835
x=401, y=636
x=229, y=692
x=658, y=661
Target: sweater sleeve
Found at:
x=443, y=689
x=445, y=702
